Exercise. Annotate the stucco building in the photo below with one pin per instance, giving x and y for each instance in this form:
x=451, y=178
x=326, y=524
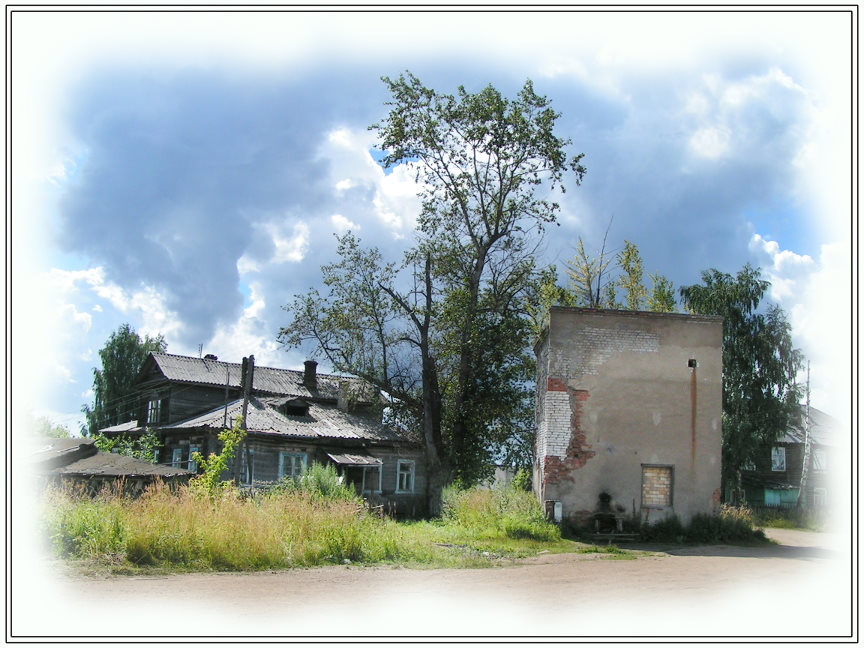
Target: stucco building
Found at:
x=628, y=414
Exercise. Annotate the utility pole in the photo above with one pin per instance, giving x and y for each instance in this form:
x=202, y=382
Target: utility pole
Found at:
x=248, y=377
x=806, y=467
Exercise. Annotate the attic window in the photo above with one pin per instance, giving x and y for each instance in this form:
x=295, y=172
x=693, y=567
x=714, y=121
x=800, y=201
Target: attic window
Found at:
x=295, y=407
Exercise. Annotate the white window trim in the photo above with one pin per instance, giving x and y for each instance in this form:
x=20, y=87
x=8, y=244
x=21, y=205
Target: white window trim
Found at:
x=820, y=494
x=778, y=450
x=284, y=454
x=411, y=472
x=363, y=488
x=248, y=467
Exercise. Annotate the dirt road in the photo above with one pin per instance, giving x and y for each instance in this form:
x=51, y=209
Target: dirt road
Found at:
x=691, y=591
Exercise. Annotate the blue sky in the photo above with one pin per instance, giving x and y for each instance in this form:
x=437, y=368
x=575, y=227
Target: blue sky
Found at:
x=186, y=172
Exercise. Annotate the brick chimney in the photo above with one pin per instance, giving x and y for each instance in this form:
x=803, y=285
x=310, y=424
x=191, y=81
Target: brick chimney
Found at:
x=310, y=378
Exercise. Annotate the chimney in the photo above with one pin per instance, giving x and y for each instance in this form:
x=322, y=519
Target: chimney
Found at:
x=344, y=396
x=310, y=380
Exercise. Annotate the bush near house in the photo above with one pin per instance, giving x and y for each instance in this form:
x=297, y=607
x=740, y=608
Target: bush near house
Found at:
x=731, y=524
x=313, y=520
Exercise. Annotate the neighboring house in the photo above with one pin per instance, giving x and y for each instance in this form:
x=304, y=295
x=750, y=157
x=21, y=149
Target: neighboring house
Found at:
x=293, y=418
x=774, y=479
x=77, y=461
x=628, y=414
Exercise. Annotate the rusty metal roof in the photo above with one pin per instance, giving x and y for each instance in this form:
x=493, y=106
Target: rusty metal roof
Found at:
x=288, y=382
x=322, y=422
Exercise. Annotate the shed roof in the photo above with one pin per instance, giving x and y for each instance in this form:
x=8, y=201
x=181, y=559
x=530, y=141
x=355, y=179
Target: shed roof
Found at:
x=108, y=464
x=322, y=422
x=288, y=382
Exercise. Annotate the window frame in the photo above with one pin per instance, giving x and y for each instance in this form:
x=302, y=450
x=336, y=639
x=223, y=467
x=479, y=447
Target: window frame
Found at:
x=411, y=474
x=177, y=457
x=776, y=452
x=190, y=463
x=283, y=454
x=822, y=465
x=820, y=496
x=154, y=410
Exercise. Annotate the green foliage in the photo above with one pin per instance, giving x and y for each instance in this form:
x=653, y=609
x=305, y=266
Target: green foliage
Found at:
x=44, y=427
x=508, y=511
x=731, y=524
x=760, y=365
x=209, y=480
x=587, y=288
x=523, y=480
x=661, y=299
x=318, y=481
x=630, y=279
x=121, y=358
x=144, y=446
x=287, y=527
x=445, y=332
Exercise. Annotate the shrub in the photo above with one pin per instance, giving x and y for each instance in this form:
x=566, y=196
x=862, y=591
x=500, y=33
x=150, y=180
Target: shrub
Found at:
x=669, y=529
x=319, y=481
x=523, y=480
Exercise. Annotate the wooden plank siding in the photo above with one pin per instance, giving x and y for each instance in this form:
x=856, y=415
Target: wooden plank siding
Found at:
x=758, y=479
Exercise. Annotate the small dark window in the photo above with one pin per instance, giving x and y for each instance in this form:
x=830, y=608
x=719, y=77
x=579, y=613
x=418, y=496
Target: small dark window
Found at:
x=692, y=363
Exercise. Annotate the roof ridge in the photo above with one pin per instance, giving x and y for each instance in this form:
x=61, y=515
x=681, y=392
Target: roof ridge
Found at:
x=238, y=364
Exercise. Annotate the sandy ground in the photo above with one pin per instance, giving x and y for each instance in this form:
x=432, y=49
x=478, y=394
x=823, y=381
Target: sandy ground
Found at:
x=716, y=591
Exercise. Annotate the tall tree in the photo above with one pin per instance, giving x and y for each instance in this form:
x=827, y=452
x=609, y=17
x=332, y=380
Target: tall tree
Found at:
x=760, y=365
x=630, y=279
x=661, y=299
x=121, y=357
x=445, y=331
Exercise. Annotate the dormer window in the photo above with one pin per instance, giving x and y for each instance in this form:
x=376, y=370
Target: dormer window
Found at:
x=295, y=407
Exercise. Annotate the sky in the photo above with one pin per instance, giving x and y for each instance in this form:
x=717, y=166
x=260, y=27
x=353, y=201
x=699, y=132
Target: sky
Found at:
x=186, y=172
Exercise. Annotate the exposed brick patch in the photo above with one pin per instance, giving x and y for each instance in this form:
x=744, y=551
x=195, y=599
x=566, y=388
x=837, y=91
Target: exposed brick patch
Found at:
x=555, y=384
x=579, y=451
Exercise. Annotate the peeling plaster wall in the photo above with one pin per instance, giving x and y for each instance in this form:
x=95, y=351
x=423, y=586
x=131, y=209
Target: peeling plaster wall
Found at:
x=615, y=393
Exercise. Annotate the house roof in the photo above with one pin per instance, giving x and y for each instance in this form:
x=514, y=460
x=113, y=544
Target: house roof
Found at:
x=288, y=382
x=824, y=429
x=77, y=456
x=108, y=464
x=322, y=422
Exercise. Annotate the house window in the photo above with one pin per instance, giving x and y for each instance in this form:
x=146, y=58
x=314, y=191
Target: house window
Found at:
x=371, y=481
x=820, y=497
x=248, y=465
x=154, y=411
x=820, y=461
x=405, y=476
x=177, y=458
x=192, y=464
x=291, y=464
x=778, y=459
x=656, y=486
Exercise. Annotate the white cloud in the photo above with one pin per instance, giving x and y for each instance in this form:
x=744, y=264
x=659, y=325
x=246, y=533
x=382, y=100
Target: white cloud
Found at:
x=817, y=299
x=344, y=184
x=248, y=335
x=710, y=142
x=342, y=224
x=291, y=248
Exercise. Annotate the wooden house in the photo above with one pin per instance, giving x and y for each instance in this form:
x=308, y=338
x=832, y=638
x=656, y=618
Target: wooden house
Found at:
x=293, y=418
x=774, y=479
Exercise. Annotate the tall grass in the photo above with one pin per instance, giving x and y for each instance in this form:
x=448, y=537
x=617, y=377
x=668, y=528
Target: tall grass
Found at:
x=310, y=521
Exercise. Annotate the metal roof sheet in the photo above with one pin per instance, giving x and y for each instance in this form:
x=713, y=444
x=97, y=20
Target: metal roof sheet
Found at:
x=322, y=422
x=117, y=465
x=288, y=382
x=355, y=459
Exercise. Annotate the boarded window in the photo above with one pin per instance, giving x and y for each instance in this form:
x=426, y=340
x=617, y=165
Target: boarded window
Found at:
x=656, y=486
x=778, y=459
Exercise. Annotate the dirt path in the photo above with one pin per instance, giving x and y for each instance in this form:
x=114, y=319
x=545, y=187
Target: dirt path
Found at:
x=690, y=591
